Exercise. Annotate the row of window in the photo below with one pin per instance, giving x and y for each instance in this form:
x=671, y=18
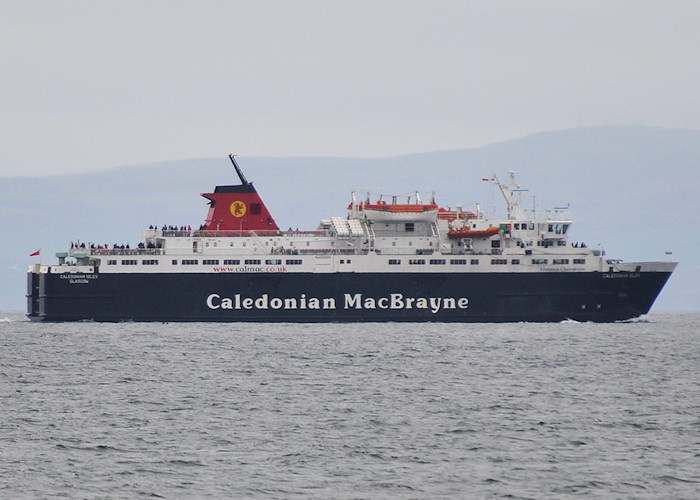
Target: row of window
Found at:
x=437, y=262
x=493, y=261
x=552, y=228
x=558, y=228
x=555, y=262
x=551, y=243
x=236, y=262
x=558, y=261
x=296, y=262
x=125, y=262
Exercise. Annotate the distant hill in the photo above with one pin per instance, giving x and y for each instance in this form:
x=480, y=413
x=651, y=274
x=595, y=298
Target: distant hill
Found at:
x=634, y=189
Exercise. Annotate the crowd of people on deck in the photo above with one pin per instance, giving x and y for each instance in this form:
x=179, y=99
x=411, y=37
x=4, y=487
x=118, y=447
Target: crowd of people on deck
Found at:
x=171, y=228
x=116, y=246
x=92, y=246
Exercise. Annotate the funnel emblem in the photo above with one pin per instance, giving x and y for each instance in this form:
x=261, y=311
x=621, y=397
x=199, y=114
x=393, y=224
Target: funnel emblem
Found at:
x=238, y=208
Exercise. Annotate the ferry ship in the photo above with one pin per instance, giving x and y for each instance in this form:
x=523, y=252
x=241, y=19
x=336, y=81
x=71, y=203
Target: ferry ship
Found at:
x=384, y=260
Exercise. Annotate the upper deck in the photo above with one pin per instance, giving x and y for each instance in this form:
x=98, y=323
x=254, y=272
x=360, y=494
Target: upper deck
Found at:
x=375, y=235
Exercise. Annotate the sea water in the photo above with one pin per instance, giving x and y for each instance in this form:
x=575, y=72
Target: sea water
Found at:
x=90, y=410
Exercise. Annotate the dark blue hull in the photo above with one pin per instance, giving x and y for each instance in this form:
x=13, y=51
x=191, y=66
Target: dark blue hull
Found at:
x=344, y=297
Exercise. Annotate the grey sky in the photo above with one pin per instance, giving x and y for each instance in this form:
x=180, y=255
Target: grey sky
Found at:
x=87, y=85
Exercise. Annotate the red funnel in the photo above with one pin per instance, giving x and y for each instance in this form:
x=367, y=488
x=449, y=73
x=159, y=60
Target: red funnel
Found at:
x=238, y=208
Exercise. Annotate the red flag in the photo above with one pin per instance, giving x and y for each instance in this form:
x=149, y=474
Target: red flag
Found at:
x=38, y=252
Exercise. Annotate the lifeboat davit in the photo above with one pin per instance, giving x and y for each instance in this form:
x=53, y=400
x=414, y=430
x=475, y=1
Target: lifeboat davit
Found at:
x=465, y=232
x=451, y=215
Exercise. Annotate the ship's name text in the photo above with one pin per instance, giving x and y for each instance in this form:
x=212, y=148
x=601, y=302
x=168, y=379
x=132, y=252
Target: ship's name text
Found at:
x=349, y=301
x=620, y=275
x=79, y=278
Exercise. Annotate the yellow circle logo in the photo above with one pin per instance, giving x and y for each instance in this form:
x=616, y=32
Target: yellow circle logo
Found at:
x=238, y=208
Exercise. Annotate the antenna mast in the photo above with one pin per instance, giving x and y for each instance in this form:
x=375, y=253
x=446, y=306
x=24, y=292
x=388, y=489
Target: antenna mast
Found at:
x=508, y=190
x=244, y=181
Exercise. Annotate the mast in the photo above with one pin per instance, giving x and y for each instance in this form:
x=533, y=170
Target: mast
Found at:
x=508, y=190
x=244, y=181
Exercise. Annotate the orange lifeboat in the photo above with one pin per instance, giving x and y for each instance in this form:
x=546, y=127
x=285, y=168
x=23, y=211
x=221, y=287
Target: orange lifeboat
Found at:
x=397, y=208
x=382, y=211
x=465, y=232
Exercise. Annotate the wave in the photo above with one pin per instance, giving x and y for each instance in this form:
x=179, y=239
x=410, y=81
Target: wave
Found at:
x=570, y=321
